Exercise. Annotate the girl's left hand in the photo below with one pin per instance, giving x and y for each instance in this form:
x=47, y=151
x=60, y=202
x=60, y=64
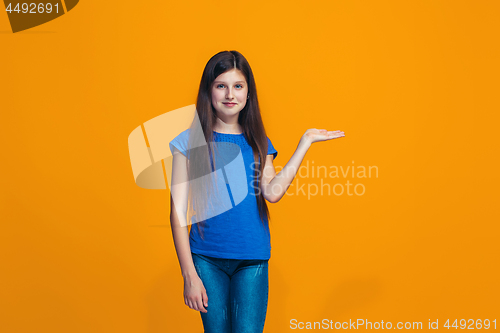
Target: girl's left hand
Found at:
x=314, y=135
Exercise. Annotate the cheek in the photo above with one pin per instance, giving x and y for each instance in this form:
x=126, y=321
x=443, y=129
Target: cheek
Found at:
x=243, y=102
x=217, y=96
x=243, y=95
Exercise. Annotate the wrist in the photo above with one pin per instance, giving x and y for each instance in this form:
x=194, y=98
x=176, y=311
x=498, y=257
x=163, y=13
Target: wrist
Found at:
x=305, y=142
x=189, y=274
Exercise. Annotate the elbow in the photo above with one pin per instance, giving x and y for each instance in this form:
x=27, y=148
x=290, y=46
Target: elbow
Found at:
x=176, y=221
x=272, y=198
x=275, y=193
x=272, y=194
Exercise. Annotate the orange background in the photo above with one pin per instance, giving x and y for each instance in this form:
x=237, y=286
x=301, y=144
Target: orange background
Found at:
x=414, y=86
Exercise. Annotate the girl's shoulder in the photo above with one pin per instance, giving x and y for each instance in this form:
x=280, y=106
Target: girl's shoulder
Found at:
x=271, y=149
x=180, y=142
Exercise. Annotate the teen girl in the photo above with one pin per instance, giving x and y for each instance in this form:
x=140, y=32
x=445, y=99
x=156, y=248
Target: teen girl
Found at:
x=224, y=257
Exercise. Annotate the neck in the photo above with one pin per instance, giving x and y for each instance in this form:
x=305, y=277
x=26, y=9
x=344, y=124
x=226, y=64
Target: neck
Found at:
x=229, y=126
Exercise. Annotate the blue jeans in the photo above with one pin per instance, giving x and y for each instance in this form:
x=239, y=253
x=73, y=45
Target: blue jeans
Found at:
x=237, y=292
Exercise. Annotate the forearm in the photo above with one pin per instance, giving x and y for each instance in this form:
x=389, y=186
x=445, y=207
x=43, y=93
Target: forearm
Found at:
x=182, y=247
x=278, y=186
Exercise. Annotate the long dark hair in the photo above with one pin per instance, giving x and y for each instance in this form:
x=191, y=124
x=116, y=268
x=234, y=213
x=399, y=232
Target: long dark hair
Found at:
x=249, y=118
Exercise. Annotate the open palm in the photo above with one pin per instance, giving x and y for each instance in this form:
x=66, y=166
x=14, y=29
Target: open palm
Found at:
x=314, y=135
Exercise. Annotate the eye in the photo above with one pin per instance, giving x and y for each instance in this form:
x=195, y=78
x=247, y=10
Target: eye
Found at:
x=219, y=85
x=239, y=86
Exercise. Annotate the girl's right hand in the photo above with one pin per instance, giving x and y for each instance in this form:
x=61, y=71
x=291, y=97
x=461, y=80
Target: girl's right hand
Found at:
x=195, y=295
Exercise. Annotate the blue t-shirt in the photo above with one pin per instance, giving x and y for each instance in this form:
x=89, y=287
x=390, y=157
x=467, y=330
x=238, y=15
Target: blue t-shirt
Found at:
x=238, y=232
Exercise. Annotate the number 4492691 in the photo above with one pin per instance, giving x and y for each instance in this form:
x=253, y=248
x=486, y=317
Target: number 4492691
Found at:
x=33, y=8
x=471, y=324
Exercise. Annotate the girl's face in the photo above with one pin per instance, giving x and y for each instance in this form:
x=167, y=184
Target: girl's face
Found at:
x=229, y=93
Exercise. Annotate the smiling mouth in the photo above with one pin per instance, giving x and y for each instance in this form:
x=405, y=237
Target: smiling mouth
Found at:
x=229, y=103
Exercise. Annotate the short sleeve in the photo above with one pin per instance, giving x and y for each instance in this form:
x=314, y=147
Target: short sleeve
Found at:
x=180, y=142
x=270, y=149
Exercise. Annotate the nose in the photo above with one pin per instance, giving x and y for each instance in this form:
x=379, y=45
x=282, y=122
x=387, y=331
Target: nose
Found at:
x=229, y=93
